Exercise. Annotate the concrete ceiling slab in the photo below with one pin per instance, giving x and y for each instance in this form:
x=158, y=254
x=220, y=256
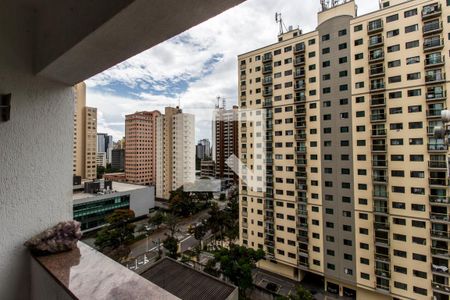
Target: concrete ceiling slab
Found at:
x=78, y=39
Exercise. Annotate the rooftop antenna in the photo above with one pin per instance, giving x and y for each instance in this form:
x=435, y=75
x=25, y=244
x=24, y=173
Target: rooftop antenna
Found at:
x=218, y=102
x=224, y=102
x=279, y=20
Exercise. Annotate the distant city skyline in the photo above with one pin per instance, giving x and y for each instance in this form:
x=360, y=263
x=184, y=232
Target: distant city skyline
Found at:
x=196, y=66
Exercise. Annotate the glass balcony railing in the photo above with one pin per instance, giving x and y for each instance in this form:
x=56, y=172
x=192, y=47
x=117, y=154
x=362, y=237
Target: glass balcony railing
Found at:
x=432, y=27
x=375, y=26
x=378, y=71
x=434, y=77
x=379, y=132
x=379, y=163
x=436, y=112
x=299, y=60
x=374, y=86
x=267, y=69
x=431, y=11
x=299, y=48
x=437, y=164
x=435, y=60
x=433, y=43
x=437, y=147
x=376, y=41
x=378, y=117
x=267, y=57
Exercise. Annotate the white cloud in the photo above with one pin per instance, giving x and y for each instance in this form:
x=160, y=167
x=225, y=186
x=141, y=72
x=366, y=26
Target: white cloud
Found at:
x=241, y=29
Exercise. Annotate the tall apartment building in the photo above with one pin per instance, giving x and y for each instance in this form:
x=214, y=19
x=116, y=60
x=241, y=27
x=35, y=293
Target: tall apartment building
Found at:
x=118, y=159
x=105, y=144
x=175, y=158
x=357, y=185
x=85, y=134
x=140, y=154
x=203, y=149
x=225, y=137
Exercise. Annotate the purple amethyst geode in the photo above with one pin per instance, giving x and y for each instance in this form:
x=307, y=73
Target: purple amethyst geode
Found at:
x=59, y=238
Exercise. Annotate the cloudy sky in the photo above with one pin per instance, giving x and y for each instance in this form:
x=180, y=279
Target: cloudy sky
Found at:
x=196, y=66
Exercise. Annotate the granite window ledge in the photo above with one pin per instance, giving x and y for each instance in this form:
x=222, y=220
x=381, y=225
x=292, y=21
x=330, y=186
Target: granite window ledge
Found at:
x=85, y=273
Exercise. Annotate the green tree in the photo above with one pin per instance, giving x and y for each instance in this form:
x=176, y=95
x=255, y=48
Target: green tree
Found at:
x=157, y=219
x=301, y=294
x=100, y=171
x=171, y=245
x=180, y=203
x=172, y=224
x=117, y=233
x=236, y=263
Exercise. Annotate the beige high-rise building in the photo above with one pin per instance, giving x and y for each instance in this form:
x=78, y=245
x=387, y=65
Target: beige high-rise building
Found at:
x=85, y=136
x=175, y=142
x=357, y=185
x=140, y=153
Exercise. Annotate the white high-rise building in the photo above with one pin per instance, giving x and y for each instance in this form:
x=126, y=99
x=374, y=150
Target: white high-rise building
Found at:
x=175, y=151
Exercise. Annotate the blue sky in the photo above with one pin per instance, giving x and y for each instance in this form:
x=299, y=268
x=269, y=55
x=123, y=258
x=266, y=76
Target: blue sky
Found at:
x=196, y=66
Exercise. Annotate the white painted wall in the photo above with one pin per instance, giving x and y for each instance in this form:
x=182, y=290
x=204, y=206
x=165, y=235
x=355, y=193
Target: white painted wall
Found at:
x=142, y=200
x=35, y=150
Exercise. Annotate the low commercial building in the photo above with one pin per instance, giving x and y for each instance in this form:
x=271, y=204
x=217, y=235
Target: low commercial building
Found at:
x=93, y=201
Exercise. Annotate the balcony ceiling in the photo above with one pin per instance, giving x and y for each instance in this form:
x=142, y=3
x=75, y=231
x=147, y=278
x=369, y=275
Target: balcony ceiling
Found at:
x=78, y=39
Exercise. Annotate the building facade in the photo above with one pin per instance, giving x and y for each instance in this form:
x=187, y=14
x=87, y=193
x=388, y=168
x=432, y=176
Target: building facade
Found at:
x=225, y=137
x=140, y=155
x=101, y=159
x=105, y=144
x=175, y=141
x=91, y=208
x=356, y=187
x=85, y=134
x=207, y=168
x=118, y=159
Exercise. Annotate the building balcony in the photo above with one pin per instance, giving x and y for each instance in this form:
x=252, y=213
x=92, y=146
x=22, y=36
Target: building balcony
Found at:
x=437, y=164
x=382, y=257
x=436, y=95
x=435, y=78
x=379, y=164
x=436, y=199
x=299, y=74
x=267, y=69
x=440, y=269
x=376, y=41
x=378, y=101
x=376, y=87
x=243, y=192
x=300, y=125
x=302, y=212
x=433, y=27
x=379, y=179
x=380, y=195
x=444, y=235
x=440, y=252
x=382, y=241
x=383, y=210
x=267, y=92
x=267, y=81
x=435, y=61
x=433, y=44
x=383, y=273
x=299, y=87
x=301, y=150
x=437, y=147
x=300, y=111
x=431, y=11
x=381, y=226
x=439, y=182
x=267, y=57
x=300, y=162
x=376, y=57
x=302, y=199
x=379, y=148
x=439, y=217
x=375, y=26
x=442, y=288
x=301, y=98
x=299, y=48
x=302, y=175
x=379, y=133
x=302, y=225
x=299, y=60
x=377, y=72
x=434, y=113
x=243, y=66
x=302, y=239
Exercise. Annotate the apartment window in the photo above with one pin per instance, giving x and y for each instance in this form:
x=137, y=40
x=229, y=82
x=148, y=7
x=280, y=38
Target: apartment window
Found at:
x=395, y=79
x=395, y=95
x=416, y=157
x=364, y=231
x=311, y=41
x=400, y=253
x=417, y=174
x=326, y=64
x=342, y=32
x=410, y=13
x=399, y=221
x=400, y=269
x=394, y=63
x=359, y=99
x=391, y=18
x=398, y=173
x=288, y=49
x=414, y=93
x=420, y=274
x=416, y=141
x=358, y=28
x=325, y=37
x=342, y=46
x=343, y=101
x=331, y=266
x=411, y=28
x=359, y=56
x=395, y=110
x=412, y=44
x=419, y=241
x=393, y=33
x=343, y=60
x=359, y=71
x=393, y=48
x=326, y=50
x=365, y=276
x=398, y=205
x=343, y=73
x=414, y=108
x=399, y=237
x=359, y=42
x=418, y=207
x=420, y=291
x=396, y=126
x=400, y=285
x=312, y=54
x=413, y=76
x=343, y=87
